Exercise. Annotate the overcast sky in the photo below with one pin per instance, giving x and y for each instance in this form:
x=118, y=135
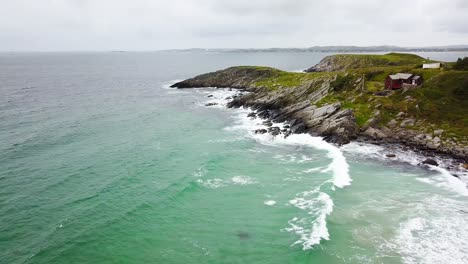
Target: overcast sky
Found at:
x=50, y=25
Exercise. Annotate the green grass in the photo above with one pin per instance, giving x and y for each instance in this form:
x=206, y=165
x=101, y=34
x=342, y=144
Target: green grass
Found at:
x=283, y=79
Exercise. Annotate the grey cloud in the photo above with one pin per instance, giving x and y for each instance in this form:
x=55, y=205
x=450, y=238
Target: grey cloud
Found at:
x=158, y=24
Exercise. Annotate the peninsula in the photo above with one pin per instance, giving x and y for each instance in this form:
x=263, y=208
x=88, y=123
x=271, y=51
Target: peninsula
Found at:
x=345, y=98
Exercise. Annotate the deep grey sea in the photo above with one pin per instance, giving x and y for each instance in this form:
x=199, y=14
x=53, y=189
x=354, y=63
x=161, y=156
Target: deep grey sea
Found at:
x=102, y=162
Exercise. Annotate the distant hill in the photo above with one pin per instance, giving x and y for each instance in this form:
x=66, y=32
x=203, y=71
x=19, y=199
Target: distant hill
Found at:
x=344, y=49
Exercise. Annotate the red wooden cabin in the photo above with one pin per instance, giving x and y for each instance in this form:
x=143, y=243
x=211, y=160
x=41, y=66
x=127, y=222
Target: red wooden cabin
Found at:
x=396, y=81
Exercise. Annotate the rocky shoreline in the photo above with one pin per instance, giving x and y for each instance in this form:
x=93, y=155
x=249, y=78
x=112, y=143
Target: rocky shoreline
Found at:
x=296, y=107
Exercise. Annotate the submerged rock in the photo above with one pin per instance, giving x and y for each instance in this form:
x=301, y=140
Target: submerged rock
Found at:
x=390, y=155
x=243, y=235
x=211, y=104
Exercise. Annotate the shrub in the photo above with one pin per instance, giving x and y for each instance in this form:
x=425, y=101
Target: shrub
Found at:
x=461, y=64
x=341, y=82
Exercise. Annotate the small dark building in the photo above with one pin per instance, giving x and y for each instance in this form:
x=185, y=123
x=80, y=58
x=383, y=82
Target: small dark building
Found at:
x=397, y=81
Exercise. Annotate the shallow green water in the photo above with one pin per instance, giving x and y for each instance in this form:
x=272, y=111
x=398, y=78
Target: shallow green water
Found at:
x=102, y=163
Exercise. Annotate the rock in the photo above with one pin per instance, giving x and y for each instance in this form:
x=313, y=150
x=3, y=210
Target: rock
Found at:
x=211, y=104
x=430, y=161
x=251, y=114
x=210, y=95
x=374, y=133
x=228, y=98
x=235, y=103
x=392, y=123
x=264, y=114
x=298, y=129
x=391, y=155
x=267, y=123
x=284, y=130
x=287, y=133
x=438, y=132
x=407, y=122
x=465, y=166
x=436, y=140
x=401, y=114
x=286, y=126
x=274, y=131
x=261, y=131
x=372, y=122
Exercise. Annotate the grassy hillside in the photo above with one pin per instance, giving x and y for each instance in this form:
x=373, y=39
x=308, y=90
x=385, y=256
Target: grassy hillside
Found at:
x=343, y=62
x=441, y=102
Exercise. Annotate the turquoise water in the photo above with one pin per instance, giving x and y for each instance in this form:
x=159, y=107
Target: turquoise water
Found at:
x=102, y=163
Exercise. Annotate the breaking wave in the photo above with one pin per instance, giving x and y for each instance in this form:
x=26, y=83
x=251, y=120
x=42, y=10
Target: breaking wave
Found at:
x=316, y=204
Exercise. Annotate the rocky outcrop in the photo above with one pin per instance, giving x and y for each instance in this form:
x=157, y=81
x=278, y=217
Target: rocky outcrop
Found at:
x=234, y=77
x=294, y=105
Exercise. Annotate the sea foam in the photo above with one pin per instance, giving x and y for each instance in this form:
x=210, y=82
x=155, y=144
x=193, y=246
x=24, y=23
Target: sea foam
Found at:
x=311, y=230
x=436, y=235
x=442, y=179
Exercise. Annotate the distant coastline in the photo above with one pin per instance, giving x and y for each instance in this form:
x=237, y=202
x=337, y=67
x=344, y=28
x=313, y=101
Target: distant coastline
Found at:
x=340, y=49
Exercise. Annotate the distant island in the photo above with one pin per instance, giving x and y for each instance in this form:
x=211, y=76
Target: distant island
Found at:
x=346, y=97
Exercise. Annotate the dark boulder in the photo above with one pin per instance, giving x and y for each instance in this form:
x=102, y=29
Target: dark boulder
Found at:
x=267, y=123
x=264, y=114
x=274, y=131
x=299, y=128
x=390, y=155
x=235, y=103
x=252, y=114
x=430, y=162
x=211, y=104
x=261, y=131
x=210, y=95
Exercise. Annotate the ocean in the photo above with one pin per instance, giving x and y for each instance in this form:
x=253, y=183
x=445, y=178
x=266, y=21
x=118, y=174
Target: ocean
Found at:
x=102, y=162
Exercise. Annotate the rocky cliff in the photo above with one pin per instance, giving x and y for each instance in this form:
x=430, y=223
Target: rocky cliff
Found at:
x=276, y=97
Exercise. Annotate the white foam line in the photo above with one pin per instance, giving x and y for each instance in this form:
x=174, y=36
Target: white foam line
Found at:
x=450, y=182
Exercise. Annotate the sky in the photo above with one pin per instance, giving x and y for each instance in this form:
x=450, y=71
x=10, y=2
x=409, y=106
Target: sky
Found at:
x=74, y=25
